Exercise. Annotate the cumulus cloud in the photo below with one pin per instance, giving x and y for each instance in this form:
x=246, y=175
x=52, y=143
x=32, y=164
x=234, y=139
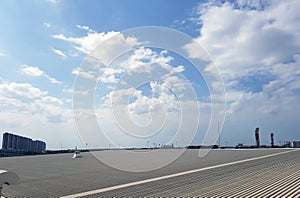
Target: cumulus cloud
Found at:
x=87, y=43
x=244, y=39
x=31, y=71
x=113, y=44
x=256, y=47
x=249, y=38
x=165, y=96
x=143, y=88
x=165, y=100
x=145, y=60
x=109, y=75
x=32, y=112
x=36, y=72
x=27, y=99
x=130, y=67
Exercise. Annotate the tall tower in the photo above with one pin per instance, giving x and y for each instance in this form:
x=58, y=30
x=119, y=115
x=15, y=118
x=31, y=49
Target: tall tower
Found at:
x=257, y=137
x=272, y=140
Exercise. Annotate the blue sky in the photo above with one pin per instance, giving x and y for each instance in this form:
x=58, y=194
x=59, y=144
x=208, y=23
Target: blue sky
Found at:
x=254, y=45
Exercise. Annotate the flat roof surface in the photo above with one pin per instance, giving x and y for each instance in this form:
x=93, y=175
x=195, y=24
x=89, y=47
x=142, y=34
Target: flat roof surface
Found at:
x=61, y=175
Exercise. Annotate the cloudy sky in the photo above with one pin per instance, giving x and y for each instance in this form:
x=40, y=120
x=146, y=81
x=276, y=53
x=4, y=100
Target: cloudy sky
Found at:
x=59, y=56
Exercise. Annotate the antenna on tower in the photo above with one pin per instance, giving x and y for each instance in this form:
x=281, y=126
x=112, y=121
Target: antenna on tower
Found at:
x=219, y=134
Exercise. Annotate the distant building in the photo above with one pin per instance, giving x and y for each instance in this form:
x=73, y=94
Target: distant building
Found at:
x=257, y=137
x=18, y=144
x=296, y=144
x=287, y=144
x=166, y=146
x=240, y=145
x=38, y=146
x=272, y=139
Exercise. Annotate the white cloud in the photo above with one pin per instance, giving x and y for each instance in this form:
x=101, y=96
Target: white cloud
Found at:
x=83, y=27
x=52, y=80
x=87, y=43
x=145, y=60
x=140, y=61
x=72, y=91
x=121, y=96
x=46, y=25
x=244, y=38
x=36, y=72
x=166, y=83
x=196, y=51
x=158, y=102
x=112, y=44
x=36, y=127
x=85, y=74
x=124, y=126
x=287, y=77
x=109, y=75
x=250, y=39
x=73, y=54
x=59, y=52
x=165, y=96
x=26, y=99
x=53, y=1
x=142, y=66
x=31, y=71
x=2, y=54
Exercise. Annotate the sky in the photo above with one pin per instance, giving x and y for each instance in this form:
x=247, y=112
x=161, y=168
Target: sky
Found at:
x=148, y=73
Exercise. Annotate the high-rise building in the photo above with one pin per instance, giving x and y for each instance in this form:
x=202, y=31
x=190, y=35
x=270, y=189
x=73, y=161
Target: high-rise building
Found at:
x=272, y=139
x=257, y=137
x=296, y=143
x=38, y=146
x=19, y=144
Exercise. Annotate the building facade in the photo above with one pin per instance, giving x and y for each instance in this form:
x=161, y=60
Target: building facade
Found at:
x=19, y=144
x=296, y=143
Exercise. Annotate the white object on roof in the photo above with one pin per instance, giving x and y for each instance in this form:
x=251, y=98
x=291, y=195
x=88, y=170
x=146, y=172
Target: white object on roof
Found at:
x=8, y=178
x=77, y=154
